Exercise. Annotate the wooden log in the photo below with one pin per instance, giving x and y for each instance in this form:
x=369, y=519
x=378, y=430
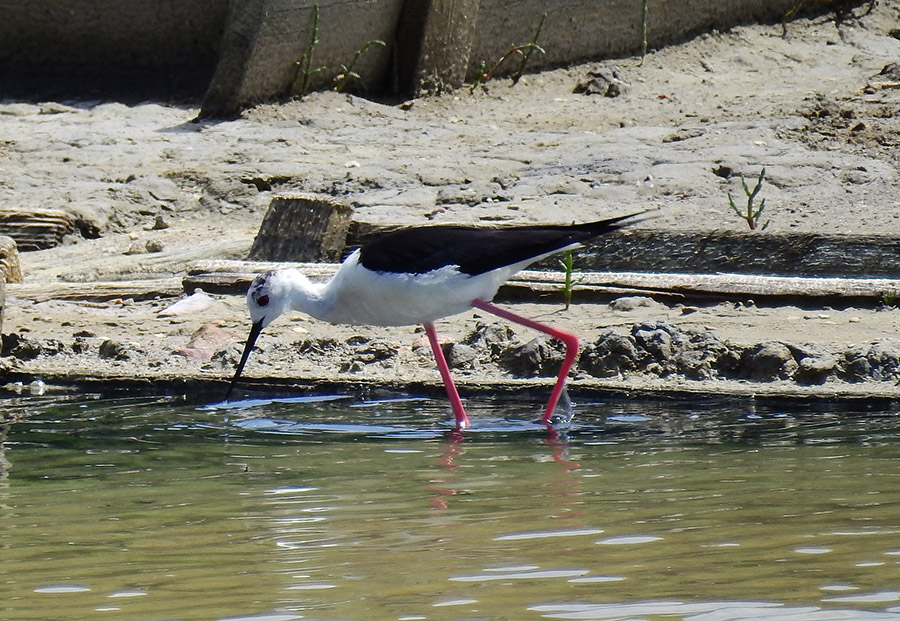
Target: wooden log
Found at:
x=36, y=229
x=302, y=228
x=235, y=276
x=9, y=260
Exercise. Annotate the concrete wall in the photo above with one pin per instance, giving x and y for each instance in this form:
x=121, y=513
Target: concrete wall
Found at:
x=241, y=52
x=265, y=39
x=73, y=46
x=578, y=30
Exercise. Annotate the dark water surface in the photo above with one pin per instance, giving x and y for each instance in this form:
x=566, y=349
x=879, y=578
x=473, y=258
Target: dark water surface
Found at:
x=345, y=509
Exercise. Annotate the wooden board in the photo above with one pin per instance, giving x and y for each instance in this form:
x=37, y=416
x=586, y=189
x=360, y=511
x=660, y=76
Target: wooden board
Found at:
x=98, y=292
x=709, y=252
x=36, y=229
x=235, y=276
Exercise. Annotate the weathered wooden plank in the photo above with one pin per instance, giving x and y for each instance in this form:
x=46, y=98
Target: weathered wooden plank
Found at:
x=706, y=252
x=235, y=276
x=98, y=292
x=302, y=228
x=36, y=229
x=794, y=254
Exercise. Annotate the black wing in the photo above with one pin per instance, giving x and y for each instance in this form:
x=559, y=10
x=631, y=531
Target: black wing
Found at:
x=474, y=250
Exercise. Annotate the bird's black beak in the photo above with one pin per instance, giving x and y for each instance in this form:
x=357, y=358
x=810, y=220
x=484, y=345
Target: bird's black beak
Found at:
x=255, y=329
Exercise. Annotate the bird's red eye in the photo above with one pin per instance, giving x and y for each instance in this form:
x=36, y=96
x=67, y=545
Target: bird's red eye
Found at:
x=263, y=300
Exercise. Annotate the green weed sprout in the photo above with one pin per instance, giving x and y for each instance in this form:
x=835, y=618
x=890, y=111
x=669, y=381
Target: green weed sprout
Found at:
x=523, y=51
x=567, y=263
x=304, y=71
x=347, y=73
x=751, y=217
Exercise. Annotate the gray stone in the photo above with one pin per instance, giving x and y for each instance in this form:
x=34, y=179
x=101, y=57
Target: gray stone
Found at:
x=117, y=350
x=491, y=338
x=657, y=343
x=695, y=364
x=768, y=361
x=460, y=355
x=816, y=369
x=539, y=356
x=612, y=354
x=632, y=302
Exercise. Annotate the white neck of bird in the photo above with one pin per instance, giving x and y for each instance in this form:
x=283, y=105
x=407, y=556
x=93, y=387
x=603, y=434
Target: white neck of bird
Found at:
x=304, y=295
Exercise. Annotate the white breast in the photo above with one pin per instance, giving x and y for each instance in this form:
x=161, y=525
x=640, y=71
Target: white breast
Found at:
x=357, y=295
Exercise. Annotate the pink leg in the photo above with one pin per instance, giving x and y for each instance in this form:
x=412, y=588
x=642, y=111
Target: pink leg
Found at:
x=462, y=421
x=570, y=340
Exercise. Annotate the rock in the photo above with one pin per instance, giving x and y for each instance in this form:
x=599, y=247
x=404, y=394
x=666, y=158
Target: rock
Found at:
x=92, y=219
x=613, y=353
x=856, y=367
x=890, y=71
x=118, y=350
x=159, y=223
x=81, y=345
x=878, y=362
x=374, y=350
x=205, y=341
x=768, y=362
x=305, y=227
x=460, y=355
x=816, y=369
x=25, y=348
x=163, y=190
x=225, y=358
x=602, y=80
x=632, y=302
x=657, y=342
x=492, y=338
x=695, y=364
x=536, y=357
x=194, y=303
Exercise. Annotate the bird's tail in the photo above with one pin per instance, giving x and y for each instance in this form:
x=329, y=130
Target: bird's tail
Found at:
x=600, y=227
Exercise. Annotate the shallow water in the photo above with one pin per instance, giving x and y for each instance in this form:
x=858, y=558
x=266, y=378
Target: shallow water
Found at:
x=346, y=509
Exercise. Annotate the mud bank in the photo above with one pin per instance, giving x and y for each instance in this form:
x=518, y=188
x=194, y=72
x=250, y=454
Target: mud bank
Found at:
x=813, y=102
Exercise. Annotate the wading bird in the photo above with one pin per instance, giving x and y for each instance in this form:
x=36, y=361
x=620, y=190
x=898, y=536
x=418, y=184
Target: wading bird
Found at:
x=418, y=275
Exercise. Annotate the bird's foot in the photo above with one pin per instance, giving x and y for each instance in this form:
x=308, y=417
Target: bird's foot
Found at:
x=563, y=412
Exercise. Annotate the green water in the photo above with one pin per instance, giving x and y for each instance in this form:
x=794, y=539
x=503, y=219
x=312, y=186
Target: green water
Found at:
x=350, y=510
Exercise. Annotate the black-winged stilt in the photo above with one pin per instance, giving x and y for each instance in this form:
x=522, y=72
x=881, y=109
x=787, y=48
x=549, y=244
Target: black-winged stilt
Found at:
x=418, y=275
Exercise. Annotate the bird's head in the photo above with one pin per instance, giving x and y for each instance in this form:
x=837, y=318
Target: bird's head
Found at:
x=267, y=298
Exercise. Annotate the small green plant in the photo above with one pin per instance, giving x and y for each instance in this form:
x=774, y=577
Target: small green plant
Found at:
x=567, y=263
x=523, y=51
x=304, y=71
x=890, y=298
x=347, y=74
x=751, y=216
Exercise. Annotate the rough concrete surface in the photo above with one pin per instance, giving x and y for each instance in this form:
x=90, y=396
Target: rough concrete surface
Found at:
x=817, y=105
